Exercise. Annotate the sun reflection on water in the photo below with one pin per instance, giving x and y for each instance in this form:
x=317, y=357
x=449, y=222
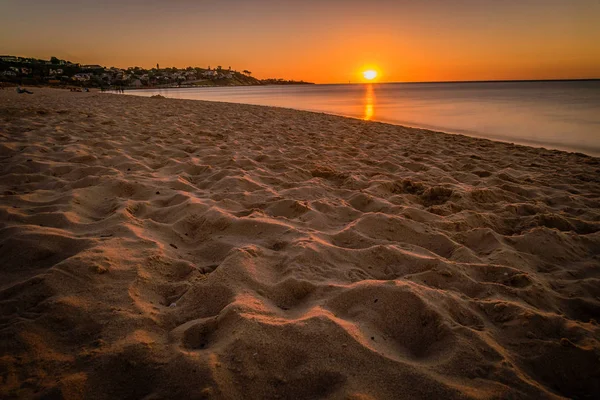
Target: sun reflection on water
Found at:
x=369, y=103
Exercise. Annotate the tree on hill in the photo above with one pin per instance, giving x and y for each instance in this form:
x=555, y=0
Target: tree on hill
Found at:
x=247, y=72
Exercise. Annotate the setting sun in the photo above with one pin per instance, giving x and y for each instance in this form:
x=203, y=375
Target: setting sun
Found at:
x=370, y=75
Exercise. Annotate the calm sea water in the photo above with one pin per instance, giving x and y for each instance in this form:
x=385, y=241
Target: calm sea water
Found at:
x=560, y=115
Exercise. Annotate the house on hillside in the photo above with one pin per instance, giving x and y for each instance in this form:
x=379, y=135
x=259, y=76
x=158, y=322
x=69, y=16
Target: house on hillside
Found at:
x=210, y=74
x=92, y=66
x=8, y=73
x=58, y=71
x=81, y=77
x=9, y=58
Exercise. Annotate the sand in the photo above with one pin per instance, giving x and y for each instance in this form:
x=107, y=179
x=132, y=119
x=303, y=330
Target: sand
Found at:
x=165, y=249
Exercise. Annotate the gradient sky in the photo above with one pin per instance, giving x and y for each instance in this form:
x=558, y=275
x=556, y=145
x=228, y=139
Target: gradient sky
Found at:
x=322, y=41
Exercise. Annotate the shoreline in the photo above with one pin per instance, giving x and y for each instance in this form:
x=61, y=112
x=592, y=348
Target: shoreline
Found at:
x=171, y=248
x=459, y=132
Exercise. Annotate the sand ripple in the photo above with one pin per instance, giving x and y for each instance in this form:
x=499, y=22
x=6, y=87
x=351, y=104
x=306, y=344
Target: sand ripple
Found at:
x=156, y=248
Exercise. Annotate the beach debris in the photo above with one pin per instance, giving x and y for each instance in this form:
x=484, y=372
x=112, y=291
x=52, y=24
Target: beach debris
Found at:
x=173, y=305
x=172, y=245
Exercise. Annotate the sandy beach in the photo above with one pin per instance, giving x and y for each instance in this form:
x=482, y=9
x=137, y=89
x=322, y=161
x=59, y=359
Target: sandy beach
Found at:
x=155, y=248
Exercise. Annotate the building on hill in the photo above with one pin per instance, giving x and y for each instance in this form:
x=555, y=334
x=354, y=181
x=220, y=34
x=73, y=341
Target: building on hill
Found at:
x=210, y=74
x=81, y=77
x=9, y=58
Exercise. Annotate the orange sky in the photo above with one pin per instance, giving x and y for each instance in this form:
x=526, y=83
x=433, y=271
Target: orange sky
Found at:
x=319, y=41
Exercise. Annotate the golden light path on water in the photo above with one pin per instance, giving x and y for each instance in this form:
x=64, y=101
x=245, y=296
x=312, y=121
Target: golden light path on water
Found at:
x=369, y=102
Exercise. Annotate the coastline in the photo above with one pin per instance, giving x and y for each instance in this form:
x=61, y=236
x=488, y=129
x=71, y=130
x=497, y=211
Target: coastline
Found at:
x=551, y=141
x=185, y=248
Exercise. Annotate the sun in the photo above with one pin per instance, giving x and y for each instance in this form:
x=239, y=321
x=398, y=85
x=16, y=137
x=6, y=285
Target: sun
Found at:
x=370, y=74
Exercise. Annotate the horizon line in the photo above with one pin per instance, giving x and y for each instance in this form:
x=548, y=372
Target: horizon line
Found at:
x=471, y=81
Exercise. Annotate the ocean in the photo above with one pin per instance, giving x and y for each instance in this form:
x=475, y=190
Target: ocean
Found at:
x=561, y=115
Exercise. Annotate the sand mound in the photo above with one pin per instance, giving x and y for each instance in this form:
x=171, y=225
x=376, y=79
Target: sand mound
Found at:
x=180, y=249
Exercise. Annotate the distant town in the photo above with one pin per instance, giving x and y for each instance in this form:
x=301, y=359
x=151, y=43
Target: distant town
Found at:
x=56, y=72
